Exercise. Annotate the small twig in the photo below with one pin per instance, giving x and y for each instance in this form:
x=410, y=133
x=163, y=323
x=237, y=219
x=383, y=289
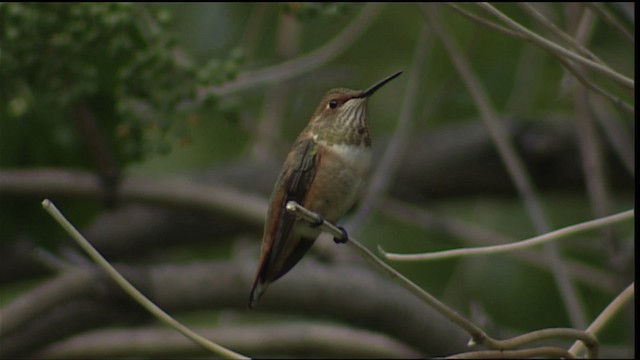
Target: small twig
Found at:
x=609, y=18
x=478, y=336
x=485, y=22
x=549, y=25
x=554, y=333
x=595, y=88
x=131, y=290
x=496, y=249
x=566, y=63
x=555, y=48
x=605, y=316
x=544, y=351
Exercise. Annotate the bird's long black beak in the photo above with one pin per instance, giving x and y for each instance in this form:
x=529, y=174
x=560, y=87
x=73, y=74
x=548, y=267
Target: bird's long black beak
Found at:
x=378, y=85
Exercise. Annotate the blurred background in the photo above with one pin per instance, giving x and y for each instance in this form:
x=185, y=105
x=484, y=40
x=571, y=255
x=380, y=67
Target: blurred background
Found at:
x=159, y=131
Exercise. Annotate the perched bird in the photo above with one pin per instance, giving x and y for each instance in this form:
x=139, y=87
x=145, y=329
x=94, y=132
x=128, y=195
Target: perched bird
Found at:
x=324, y=172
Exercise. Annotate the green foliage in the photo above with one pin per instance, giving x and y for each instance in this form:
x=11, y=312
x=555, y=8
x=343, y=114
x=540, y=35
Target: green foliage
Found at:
x=111, y=64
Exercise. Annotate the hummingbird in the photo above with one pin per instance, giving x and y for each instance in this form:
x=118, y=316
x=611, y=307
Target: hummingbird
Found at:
x=324, y=172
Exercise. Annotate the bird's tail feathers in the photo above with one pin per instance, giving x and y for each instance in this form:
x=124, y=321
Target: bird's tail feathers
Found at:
x=256, y=292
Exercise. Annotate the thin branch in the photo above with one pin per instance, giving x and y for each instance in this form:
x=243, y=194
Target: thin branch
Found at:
x=595, y=88
x=391, y=160
x=303, y=64
x=174, y=192
x=310, y=337
x=475, y=235
x=544, y=351
x=553, y=333
x=516, y=169
x=506, y=150
x=611, y=20
x=485, y=22
x=592, y=159
x=606, y=315
x=478, y=336
x=131, y=290
x=567, y=64
x=549, y=25
x=555, y=48
x=496, y=249
x=309, y=216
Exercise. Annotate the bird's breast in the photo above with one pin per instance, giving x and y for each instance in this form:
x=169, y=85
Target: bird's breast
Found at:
x=339, y=179
x=356, y=157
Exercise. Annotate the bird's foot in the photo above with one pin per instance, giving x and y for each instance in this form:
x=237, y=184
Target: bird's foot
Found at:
x=319, y=220
x=342, y=239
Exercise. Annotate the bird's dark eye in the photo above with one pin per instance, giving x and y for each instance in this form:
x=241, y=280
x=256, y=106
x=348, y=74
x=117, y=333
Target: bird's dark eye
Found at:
x=333, y=104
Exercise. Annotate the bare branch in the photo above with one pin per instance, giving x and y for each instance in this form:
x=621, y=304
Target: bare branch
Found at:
x=545, y=351
x=606, y=315
x=600, y=9
x=565, y=62
x=317, y=338
x=555, y=48
x=476, y=236
x=175, y=192
x=496, y=249
x=516, y=169
x=549, y=25
x=478, y=336
x=485, y=22
x=132, y=291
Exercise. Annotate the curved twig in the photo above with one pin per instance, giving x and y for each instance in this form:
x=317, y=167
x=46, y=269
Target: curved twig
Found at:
x=519, y=245
x=545, y=351
x=131, y=290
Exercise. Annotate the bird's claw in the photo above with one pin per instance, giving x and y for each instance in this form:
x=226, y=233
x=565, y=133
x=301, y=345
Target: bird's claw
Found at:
x=342, y=239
